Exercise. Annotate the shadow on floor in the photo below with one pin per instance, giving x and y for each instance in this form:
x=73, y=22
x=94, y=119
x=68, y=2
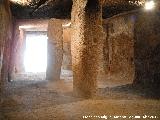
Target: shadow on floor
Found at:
x=130, y=91
x=29, y=95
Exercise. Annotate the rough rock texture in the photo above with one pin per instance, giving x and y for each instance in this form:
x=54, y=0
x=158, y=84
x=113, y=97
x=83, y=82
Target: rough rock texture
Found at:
x=133, y=47
x=116, y=54
x=19, y=49
x=119, y=47
x=85, y=41
x=53, y=2
x=147, y=48
x=55, y=49
x=67, y=59
x=5, y=48
x=5, y=40
x=61, y=9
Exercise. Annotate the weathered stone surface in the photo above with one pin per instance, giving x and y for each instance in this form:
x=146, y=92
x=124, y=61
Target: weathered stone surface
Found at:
x=5, y=41
x=67, y=59
x=19, y=49
x=130, y=38
x=147, y=49
x=61, y=9
x=119, y=48
x=5, y=48
x=133, y=47
x=86, y=38
x=55, y=49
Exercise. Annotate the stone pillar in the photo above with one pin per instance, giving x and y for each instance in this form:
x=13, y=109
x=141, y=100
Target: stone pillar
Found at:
x=20, y=38
x=5, y=38
x=67, y=59
x=55, y=49
x=21, y=51
x=86, y=39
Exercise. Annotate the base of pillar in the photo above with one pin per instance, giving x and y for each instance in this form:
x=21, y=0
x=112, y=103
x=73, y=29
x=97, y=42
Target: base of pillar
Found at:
x=83, y=94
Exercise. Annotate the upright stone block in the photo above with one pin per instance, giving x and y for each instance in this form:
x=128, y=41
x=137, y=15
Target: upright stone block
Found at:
x=87, y=35
x=55, y=49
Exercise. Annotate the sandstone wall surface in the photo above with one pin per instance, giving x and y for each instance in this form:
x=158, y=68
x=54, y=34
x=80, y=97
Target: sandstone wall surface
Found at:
x=119, y=48
x=5, y=41
x=147, y=48
x=55, y=49
x=85, y=45
x=67, y=59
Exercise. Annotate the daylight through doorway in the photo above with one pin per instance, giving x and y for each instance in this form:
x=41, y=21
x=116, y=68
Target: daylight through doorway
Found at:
x=35, y=59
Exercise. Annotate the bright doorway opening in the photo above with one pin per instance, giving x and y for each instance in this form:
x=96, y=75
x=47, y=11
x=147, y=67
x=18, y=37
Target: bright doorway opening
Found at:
x=35, y=58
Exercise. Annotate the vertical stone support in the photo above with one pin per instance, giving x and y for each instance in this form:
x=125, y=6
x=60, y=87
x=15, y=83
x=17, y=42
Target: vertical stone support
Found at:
x=20, y=38
x=2, y=41
x=5, y=38
x=55, y=49
x=87, y=35
x=22, y=41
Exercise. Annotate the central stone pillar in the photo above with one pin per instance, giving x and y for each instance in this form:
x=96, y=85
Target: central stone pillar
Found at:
x=55, y=50
x=87, y=35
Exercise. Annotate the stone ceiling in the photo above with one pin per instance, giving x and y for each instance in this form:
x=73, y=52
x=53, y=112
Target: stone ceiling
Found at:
x=62, y=8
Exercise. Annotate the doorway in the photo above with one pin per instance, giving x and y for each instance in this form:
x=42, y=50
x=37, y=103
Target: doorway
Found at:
x=35, y=55
x=35, y=58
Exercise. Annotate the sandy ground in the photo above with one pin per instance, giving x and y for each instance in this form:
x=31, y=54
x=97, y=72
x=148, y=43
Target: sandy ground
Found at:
x=43, y=100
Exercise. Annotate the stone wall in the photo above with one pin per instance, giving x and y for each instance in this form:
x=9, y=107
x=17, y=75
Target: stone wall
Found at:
x=55, y=49
x=132, y=47
x=5, y=48
x=67, y=59
x=5, y=40
x=147, y=48
x=119, y=48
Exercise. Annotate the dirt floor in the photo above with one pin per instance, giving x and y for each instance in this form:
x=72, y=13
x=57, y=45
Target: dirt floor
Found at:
x=43, y=100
